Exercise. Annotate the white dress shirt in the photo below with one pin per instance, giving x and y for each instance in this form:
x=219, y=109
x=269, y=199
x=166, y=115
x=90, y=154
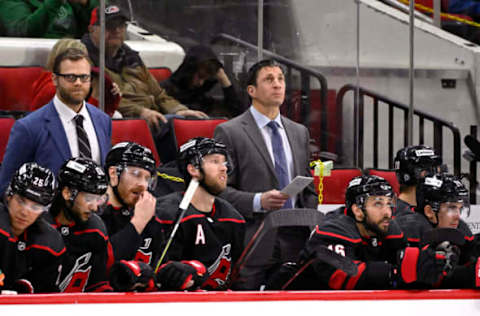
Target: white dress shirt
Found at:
x=262, y=121
x=67, y=118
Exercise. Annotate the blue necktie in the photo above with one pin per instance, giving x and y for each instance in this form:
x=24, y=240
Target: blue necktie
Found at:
x=280, y=159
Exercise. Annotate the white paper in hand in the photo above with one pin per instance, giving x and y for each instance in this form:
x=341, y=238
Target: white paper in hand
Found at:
x=297, y=185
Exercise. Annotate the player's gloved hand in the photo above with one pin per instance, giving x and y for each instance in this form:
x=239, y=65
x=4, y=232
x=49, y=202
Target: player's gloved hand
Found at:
x=428, y=265
x=175, y=275
x=131, y=275
x=23, y=286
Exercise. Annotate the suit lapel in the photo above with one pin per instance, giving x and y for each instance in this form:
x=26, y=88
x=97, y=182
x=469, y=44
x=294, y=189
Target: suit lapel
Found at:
x=294, y=144
x=98, y=129
x=57, y=132
x=253, y=132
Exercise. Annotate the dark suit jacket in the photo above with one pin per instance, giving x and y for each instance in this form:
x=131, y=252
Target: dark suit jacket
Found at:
x=40, y=137
x=253, y=167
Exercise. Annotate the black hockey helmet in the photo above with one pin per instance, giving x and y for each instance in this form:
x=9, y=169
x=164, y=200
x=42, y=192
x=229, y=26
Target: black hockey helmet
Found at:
x=193, y=151
x=412, y=160
x=33, y=182
x=131, y=154
x=83, y=175
x=361, y=187
x=441, y=188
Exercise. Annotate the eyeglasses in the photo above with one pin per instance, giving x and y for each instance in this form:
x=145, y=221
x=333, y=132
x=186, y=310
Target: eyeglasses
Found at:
x=32, y=206
x=73, y=78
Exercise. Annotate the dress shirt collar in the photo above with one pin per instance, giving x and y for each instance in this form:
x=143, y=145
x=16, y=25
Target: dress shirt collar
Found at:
x=65, y=112
x=263, y=120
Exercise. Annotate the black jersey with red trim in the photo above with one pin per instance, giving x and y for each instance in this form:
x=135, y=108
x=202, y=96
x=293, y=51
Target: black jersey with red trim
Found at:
x=374, y=256
x=415, y=224
x=402, y=208
x=35, y=255
x=215, y=239
x=88, y=258
x=127, y=243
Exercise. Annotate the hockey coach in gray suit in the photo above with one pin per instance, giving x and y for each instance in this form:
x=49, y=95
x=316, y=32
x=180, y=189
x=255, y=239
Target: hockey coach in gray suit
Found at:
x=268, y=151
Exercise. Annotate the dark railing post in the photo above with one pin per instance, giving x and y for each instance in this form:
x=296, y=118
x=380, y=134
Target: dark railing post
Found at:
x=361, y=114
x=391, y=128
x=305, y=101
x=375, y=133
x=438, y=125
x=473, y=171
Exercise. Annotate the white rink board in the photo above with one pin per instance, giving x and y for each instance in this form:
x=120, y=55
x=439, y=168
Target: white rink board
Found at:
x=467, y=307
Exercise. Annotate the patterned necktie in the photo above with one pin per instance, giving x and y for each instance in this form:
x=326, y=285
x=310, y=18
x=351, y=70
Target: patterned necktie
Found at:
x=280, y=159
x=83, y=143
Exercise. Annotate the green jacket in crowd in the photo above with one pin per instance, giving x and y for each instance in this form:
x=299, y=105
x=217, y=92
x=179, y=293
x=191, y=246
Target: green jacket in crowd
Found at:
x=46, y=18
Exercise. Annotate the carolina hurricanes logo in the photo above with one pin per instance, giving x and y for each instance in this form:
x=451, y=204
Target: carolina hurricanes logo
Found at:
x=143, y=254
x=77, y=278
x=219, y=271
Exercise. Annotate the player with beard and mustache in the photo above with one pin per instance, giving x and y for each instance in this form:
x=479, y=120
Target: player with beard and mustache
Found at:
x=135, y=232
x=211, y=230
x=82, y=189
x=367, y=235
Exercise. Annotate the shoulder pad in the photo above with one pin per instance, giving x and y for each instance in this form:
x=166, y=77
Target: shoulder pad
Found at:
x=341, y=228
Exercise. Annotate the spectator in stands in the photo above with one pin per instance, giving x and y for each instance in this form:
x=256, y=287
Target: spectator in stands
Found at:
x=82, y=185
x=199, y=72
x=466, y=7
x=44, y=87
x=442, y=200
x=64, y=128
x=30, y=249
x=412, y=163
x=46, y=18
x=268, y=151
x=142, y=95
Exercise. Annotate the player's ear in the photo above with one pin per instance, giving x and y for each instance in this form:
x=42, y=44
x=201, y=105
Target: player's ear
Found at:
x=430, y=214
x=112, y=175
x=358, y=213
x=193, y=171
x=66, y=194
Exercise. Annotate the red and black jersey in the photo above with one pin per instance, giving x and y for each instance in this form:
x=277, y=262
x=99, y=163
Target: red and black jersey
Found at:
x=415, y=225
x=373, y=256
x=126, y=242
x=35, y=255
x=214, y=238
x=89, y=255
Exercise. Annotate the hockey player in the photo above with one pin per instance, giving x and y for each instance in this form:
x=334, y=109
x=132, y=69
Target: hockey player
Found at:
x=129, y=214
x=211, y=231
x=368, y=237
x=30, y=249
x=412, y=164
x=442, y=200
x=82, y=189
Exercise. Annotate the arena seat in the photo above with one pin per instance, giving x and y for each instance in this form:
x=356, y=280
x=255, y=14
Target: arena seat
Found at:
x=6, y=123
x=134, y=130
x=186, y=128
x=335, y=185
x=15, y=87
x=160, y=73
x=387, y=174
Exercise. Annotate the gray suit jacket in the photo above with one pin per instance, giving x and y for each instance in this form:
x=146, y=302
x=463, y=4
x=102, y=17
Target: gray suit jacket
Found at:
x=253, y=168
